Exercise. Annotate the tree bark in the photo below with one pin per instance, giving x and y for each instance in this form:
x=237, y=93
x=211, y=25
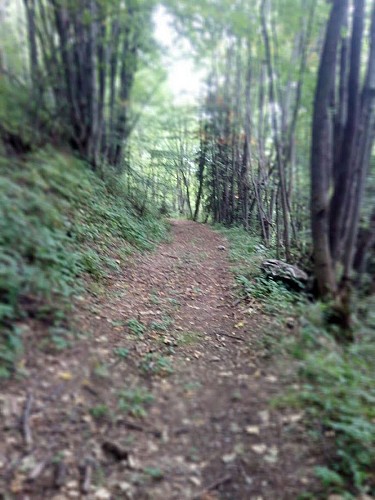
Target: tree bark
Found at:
x=320, y=167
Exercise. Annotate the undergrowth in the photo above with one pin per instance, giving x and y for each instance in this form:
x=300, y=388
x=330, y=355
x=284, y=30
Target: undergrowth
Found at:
x=58, y=222
x=335, y=380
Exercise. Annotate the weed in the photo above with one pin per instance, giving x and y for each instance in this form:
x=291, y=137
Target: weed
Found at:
x=121, y=352
x=154, y=298
x=99, y=411
x=174, y=302
x=188, y=338
x=156, y=364
x=101, y=370
x=136, y=327
x=118, y=323
x=61, y=338
x=154, y=472
x=134, y=401
x=161, y=326
x=192, y=386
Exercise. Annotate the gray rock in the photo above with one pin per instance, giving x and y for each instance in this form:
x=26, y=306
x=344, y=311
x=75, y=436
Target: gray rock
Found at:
x=283, y=271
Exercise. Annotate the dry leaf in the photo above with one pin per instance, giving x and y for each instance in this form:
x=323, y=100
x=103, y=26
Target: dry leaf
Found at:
x=259, y=448
x=102, y=494
x=229, y=457
x=252, y=429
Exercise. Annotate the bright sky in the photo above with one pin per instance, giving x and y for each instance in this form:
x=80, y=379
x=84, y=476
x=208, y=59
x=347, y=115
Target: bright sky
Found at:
x=184, y=79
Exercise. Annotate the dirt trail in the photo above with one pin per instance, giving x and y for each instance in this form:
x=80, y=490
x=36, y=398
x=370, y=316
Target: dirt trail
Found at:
x=168, y=330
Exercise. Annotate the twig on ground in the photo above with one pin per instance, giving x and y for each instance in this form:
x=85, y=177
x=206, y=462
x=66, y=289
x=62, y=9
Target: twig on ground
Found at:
x=60, y=474
x=87, y=476
x=231, y=336
x=37, y=470
x=28, y=437
x=213, y=486
x=170, y=256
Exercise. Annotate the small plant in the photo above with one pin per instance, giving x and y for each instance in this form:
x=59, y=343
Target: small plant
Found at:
x=136, y=327
x=61, y=338
x=134, y=401
x=154, y=472
x=188, y=338
x=99, y=411
x=174, y=302
x=101, y=370
x=161, y=326
x=121, y=352
x=155, y=364
x=118, y=322
x=154, y=298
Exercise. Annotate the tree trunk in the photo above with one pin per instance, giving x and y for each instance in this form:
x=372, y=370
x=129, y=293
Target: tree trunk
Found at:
x=320, y=167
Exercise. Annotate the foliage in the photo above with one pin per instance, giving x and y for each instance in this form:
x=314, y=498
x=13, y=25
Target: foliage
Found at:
x=155, y=364
x=121, y=352
x=136, y=327
x=336, y=389
x=134, y=401
x=338, y=395
x=58, y=221
x=99, y=411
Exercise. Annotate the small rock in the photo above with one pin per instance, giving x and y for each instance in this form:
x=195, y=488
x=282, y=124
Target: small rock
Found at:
x=72, y=485
x=264, y=416
x=221, y=248
x=134, y=463
x=102, y=494
x=125, y=487
x=291, y=419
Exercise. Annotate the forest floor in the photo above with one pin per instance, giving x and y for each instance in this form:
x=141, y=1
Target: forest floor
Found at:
x=166, y=394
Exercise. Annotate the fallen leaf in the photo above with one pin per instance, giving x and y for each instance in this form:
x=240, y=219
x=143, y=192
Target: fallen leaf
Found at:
x=65, y=375
x=292, y=418
x=196, y=481
x=102, y=494
x=230, y=457
x=252, y=429
x=259, y=448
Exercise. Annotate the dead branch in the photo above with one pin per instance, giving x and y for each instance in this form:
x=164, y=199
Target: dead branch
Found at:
x=213, y=486
x=25, y=420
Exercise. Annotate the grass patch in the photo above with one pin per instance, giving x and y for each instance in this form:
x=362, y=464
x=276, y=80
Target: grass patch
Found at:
x=58, y=222
x=135, y=327
x=188, y=338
